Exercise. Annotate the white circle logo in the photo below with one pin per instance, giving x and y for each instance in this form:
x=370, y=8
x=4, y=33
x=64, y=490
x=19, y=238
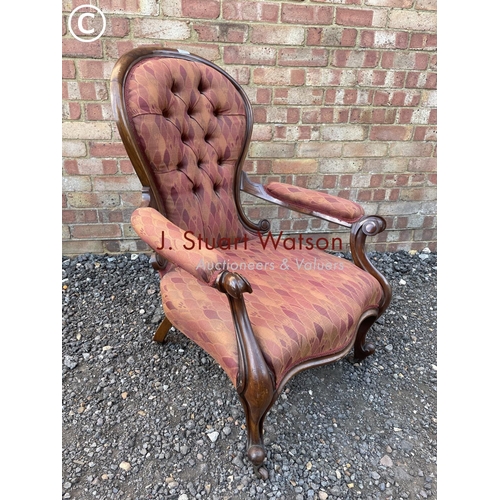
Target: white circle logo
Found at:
x=81, y=27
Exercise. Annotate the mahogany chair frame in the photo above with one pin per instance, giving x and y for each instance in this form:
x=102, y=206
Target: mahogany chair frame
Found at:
x=255, y=383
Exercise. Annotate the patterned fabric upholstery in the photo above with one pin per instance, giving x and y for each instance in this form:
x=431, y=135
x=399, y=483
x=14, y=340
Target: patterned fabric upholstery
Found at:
x=304, y=312
x=171, y=242
x=316, y=201
x=190, y=121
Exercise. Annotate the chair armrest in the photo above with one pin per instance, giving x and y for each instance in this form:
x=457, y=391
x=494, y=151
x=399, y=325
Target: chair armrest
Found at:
x=315, y=202
x=169, y=241
x=307, y=201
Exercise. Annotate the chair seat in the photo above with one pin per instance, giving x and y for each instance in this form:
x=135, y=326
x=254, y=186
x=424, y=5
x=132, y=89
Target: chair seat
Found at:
x=306, y=304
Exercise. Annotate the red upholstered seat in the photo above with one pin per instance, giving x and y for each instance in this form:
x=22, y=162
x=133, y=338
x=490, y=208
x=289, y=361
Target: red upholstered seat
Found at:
x=305, y=305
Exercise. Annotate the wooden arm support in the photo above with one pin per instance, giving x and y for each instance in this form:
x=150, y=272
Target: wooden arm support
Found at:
x=255, y=383
x=369, y=226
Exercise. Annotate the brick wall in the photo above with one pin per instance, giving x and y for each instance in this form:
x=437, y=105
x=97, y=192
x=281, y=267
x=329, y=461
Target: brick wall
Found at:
x=344, y=96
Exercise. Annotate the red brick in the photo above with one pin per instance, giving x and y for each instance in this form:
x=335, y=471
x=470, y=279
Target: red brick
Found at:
x=208, y=9
x=148, y=8
x=240, y=73
x=75, y=111
x=376, y=180
x=355, y=58
x=421, y=80
x=306, y=14
x=84, y=231
x=235, y=10
x=147, y=27
x=115, y=215
x=74, y=48
x=404, y=60
x=78, y=216
x=222, y=32
x=325, y=77
x=405, y=115
x=68, y=69
x=91, y=69
x=401, y=4
x=94, y=112
x=117, y=27
x=318, y=115
x=278, y=76
x=423, y=41
x=93, y=91
x=131, y=199
x=263, y=96
x=367, y=39
x=417, y=179
x=412, y=20
x=91, y=166
x=317, y=149
x=303, y=57
x=422, y=165
x=332, y=37
x=410, y=149
x=295, y=166
x=208, y=51
x=298, y=95
x=93, y=200
x=367, y=115
x=126, y=167
x=425, y=134
x=260, y=115
x=249, y=55
x=116, y=183
x=364, y=195
x=107, y=149
x=353, y=17
x=390, y=133
x=272, y=150
x=364, y=149
x=426, y=4
x=278, y=35
x=116, y=48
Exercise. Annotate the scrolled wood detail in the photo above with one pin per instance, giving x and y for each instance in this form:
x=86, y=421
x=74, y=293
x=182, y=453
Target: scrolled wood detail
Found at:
x=369, y=226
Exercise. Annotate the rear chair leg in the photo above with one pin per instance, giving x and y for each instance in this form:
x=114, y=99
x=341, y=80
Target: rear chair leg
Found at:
x=162, y=330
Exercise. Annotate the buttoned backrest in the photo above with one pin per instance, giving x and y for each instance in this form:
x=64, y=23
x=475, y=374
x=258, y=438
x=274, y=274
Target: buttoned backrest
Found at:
x=190, y=122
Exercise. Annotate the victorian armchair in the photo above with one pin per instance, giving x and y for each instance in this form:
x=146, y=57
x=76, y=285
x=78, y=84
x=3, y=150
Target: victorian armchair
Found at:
x=263, y=306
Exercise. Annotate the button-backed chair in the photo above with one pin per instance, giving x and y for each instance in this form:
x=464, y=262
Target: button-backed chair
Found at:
x=265, y=306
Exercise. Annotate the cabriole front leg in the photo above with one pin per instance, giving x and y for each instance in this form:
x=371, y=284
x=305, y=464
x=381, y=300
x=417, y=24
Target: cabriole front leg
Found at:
x=255, y=385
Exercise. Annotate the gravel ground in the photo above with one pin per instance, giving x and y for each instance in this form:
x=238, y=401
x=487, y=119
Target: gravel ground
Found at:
x=149, y=421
